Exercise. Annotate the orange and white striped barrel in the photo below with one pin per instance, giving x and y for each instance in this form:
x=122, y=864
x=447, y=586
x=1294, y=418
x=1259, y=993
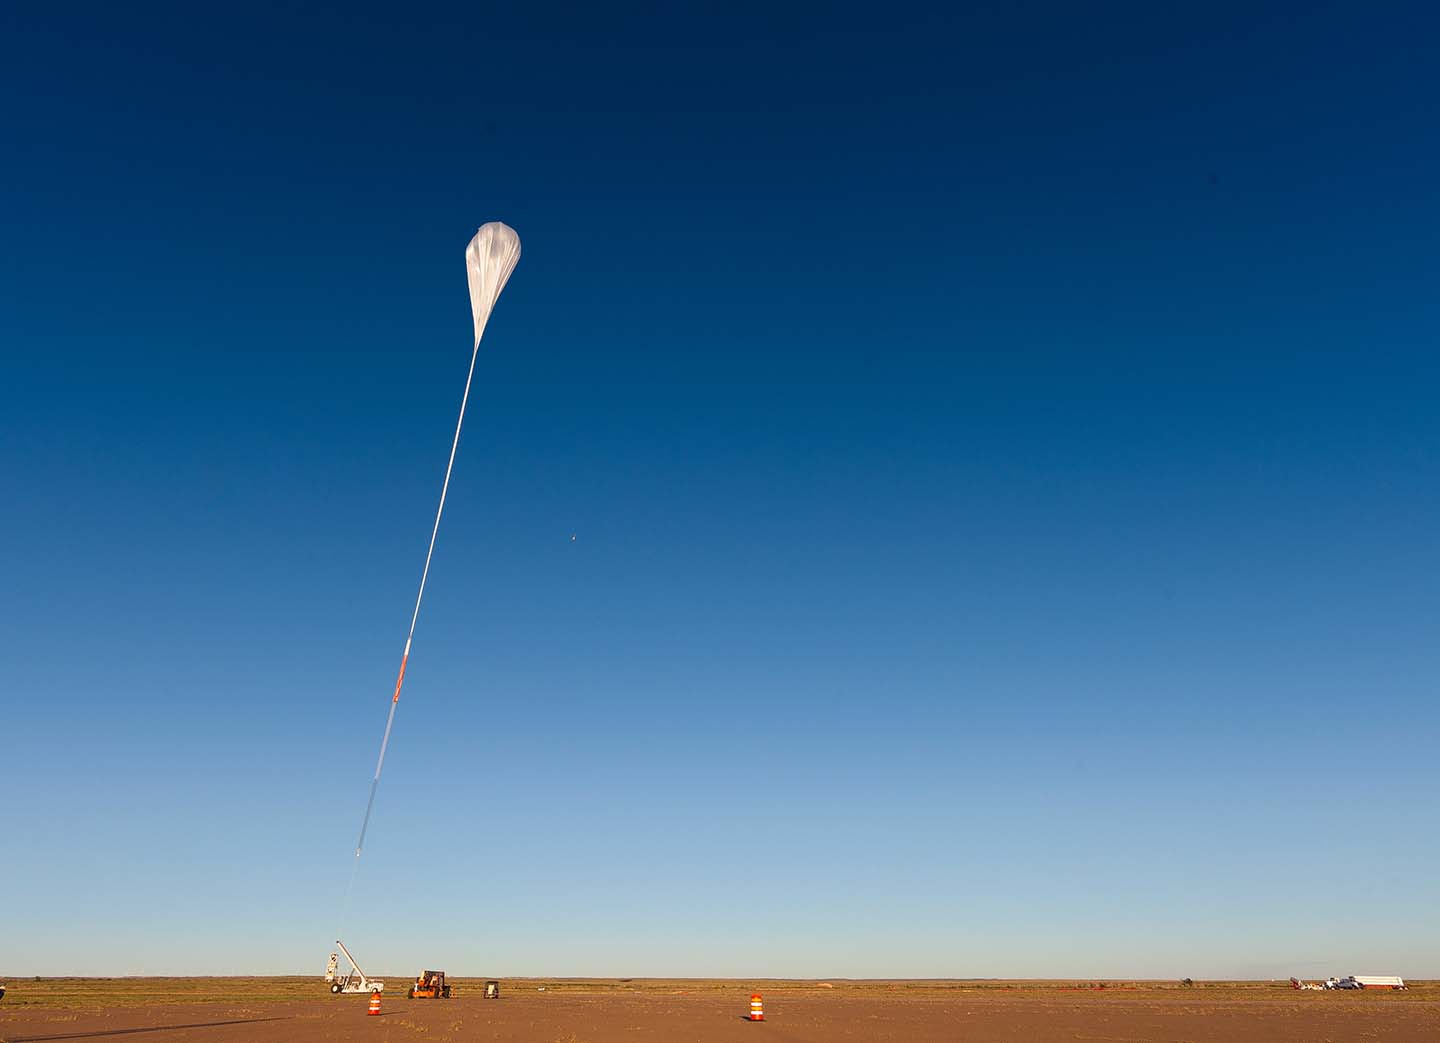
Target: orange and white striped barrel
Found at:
x=757, y=1008
x=374, y=1003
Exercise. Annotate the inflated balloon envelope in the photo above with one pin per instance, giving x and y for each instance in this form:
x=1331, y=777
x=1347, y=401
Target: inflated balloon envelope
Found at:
x=489, y=259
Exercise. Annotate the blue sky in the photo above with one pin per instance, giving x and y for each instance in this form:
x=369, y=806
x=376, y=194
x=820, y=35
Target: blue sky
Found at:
x=999, y=446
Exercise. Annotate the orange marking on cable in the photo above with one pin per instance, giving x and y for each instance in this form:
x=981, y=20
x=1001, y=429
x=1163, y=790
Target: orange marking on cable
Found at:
x=401, y=679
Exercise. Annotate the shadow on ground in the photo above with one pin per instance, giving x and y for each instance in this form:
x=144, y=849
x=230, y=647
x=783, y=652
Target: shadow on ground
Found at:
x=131, y=1032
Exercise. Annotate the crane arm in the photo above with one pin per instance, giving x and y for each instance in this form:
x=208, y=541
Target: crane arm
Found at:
x=349, y=957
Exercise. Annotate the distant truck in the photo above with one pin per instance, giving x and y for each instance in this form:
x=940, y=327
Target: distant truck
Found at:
x=1380, y=981
x=1367, y=981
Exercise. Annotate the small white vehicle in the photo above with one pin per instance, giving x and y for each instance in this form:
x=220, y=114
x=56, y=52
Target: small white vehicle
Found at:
x=353, y=980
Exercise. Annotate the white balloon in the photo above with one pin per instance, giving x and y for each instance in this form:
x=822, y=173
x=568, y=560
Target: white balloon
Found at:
x=489, y=260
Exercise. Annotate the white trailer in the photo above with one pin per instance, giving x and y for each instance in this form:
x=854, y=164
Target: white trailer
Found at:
x=1378, y=981
x=354, y=979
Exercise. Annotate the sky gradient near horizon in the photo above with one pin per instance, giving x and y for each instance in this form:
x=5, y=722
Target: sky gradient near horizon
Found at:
x=999, y=446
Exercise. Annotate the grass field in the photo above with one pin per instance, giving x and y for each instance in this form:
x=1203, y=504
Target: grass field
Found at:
x=100, y=993
x=673, y=1010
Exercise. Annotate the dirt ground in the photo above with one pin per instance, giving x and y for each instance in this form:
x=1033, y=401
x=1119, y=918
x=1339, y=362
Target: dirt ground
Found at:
x=268, y=1011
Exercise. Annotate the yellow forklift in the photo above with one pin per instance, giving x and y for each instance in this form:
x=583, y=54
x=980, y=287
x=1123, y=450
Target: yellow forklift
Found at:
x=430, y=986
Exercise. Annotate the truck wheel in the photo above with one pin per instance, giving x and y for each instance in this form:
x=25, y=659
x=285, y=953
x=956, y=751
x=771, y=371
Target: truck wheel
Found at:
x=335, y=988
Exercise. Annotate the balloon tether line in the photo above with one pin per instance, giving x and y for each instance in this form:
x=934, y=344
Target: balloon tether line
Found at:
x=345, y=904
x=424, y=575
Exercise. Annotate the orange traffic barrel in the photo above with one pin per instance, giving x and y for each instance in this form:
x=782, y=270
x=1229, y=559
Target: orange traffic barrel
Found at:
x=374, y=1003
x=757, y=1008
